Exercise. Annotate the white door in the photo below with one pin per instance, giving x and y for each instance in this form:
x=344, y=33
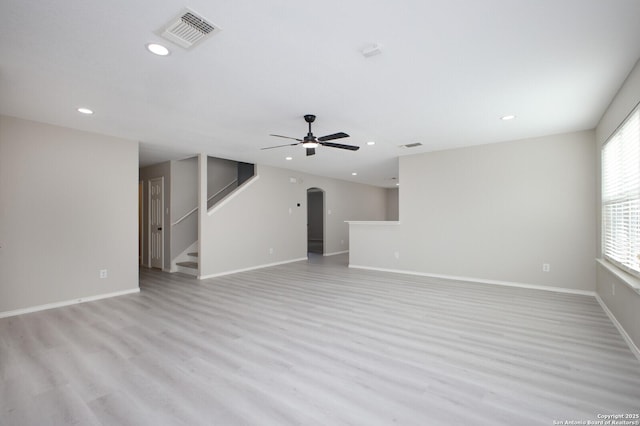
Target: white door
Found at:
x=156, y=207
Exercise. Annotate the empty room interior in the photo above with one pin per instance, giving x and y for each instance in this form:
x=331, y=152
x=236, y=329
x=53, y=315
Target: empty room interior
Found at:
x=320, y=213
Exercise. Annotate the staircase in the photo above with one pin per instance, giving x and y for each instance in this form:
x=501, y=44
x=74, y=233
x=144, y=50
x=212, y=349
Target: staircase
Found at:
x=185, y=229
x=189, y=267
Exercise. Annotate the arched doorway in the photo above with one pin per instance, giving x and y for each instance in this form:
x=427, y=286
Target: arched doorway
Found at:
x=315, y=220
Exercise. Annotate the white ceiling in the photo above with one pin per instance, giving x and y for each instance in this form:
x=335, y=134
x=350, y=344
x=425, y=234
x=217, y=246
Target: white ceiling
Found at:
x=448, y=71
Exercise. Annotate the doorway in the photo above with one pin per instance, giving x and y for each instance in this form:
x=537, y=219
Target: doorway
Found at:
x=156, y=222
x=315, y=220
x=140, y=221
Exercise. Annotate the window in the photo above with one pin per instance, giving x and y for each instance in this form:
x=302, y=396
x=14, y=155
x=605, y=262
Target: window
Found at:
x=621, y=195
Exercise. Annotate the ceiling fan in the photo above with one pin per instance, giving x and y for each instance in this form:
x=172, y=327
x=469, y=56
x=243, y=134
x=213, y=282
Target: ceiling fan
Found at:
x=310, y=142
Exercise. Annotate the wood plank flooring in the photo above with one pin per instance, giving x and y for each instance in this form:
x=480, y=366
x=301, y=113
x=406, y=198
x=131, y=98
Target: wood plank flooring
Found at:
x=315, y=343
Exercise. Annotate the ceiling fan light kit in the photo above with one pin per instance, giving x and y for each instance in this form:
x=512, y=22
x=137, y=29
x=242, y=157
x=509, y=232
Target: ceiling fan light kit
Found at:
x=310, y=142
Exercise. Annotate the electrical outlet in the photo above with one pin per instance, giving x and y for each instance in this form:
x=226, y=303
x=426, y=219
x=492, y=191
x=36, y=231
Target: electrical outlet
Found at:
x=396, y=254
x=613, y=289
x=103, y=273
x=341, y=241
x=546, y=267
x=270, y=250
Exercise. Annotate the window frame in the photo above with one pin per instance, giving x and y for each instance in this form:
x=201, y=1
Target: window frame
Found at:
x=622, y=201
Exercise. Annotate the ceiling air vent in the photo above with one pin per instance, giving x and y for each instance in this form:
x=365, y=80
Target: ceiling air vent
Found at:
x=188, y=29
x=411, y=145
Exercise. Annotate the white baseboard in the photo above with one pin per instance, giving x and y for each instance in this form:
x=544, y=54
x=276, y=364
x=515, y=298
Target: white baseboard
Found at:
x=614, y=320
x=251, y=268
x=66, y=303
x=482, y=281
x=336, y=252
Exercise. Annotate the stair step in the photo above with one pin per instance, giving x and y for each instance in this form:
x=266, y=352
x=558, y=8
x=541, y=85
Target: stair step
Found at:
x=194, y=254
x=192, y=265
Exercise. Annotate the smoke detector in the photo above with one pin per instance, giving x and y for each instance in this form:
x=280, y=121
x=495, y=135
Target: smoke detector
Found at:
x=370, y=51
x=188, y=29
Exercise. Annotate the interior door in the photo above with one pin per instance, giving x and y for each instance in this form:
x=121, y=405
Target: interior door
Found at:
x=156, y=222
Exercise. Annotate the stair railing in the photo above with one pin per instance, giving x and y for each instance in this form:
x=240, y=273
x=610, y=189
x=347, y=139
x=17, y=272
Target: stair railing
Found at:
x=195, y=209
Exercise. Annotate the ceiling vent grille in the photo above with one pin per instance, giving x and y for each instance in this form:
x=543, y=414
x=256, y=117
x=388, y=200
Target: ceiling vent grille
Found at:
x=188, y=29
x=411, y=145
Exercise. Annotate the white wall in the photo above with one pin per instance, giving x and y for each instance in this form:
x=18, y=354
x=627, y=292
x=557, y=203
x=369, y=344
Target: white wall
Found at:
x=344, y=201
x=184, y=197
x=265, y=215
x=68, y=208
x=494, y=212
x=220, y=173
x=393, y=200
x=184, y=187
x=625, y=303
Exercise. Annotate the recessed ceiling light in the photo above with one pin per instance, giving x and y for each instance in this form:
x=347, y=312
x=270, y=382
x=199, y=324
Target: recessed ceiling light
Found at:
x=86, y=111
x=288, y=158
x=157, y=49
x=354, y=174
x=371, y=143
x=397, y=184
x=507, y=117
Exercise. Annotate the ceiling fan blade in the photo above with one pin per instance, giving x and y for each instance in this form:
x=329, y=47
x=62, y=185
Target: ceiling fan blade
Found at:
x=280, y=146
x=311, y=151
x=341, y=146
x=287, y=137
x=333, y=136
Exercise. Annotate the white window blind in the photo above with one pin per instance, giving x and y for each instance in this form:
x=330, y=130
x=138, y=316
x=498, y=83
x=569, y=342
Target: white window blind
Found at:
x=621, y=196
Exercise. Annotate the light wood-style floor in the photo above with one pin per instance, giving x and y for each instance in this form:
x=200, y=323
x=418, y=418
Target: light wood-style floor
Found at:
x=315, y=343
